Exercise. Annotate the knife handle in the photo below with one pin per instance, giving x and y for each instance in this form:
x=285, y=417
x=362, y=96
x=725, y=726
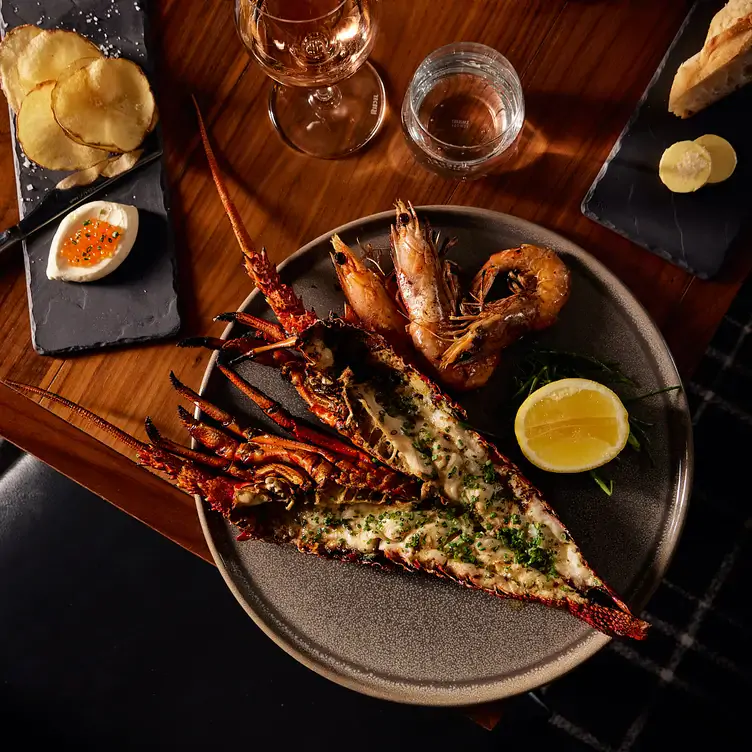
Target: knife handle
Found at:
x=10, y=237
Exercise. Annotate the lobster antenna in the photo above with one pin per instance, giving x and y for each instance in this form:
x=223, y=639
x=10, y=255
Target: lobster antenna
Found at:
x=118, y=433
x=243, y=238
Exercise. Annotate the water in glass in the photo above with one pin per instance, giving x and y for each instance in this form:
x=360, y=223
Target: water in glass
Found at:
x=463, y=110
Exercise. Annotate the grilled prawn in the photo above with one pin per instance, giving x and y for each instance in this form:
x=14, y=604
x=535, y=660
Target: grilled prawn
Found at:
x=460, y=339
x=370, y=304
x=475, y=519
x=539, y=283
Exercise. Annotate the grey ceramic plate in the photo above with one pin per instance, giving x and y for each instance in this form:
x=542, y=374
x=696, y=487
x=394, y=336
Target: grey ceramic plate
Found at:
x=417, y=639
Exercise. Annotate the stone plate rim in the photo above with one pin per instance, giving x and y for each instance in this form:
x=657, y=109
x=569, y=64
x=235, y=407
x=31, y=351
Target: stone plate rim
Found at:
x=414, y=692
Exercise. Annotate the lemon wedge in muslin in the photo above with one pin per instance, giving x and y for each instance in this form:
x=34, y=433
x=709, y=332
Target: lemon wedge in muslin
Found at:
x=685, y=167
x=571, y=425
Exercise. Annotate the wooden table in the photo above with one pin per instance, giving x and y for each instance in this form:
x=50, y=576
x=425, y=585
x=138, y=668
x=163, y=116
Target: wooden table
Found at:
x=583, y=64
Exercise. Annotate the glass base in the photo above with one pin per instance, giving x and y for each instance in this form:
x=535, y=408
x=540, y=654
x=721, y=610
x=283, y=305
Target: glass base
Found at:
x=333, y=121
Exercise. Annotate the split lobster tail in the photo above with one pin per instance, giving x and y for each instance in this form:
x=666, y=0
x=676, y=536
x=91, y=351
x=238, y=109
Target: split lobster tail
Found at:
x=240, y=478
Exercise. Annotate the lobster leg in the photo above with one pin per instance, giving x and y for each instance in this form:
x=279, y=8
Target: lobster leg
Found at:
x=218, y=441
x=167, y=445
x=273, y=409
x=310, y=463
x=222, y=493
x=218, y=491
x=284, y=420
x=211, y=460
x=278, y=442
x=283, y=344
x=239, y=346
x=257, y=473
x=268, y=330
x=343, y=471
x=356, y=467
x=225, y=419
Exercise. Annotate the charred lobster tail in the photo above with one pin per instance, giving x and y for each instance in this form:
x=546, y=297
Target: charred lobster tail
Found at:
x=406, y=483
x=484, y=524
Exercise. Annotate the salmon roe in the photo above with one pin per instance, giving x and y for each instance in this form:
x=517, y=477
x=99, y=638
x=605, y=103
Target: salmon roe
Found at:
x=91, y=243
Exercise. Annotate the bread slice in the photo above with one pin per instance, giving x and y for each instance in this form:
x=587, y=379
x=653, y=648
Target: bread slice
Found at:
x=727, y=17
x=723, y=65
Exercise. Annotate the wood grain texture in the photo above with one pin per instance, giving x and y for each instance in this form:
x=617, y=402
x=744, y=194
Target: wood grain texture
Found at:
x=129, y=487
x=584, y=65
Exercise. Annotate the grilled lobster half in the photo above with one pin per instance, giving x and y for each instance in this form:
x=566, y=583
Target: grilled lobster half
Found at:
x=409, y=483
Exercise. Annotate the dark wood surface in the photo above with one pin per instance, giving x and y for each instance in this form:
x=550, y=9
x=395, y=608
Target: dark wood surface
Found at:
x=142, y=495
x=583, y=64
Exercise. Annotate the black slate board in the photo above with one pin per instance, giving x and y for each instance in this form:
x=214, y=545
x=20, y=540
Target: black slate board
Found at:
x=138, y=302
x=692, y=230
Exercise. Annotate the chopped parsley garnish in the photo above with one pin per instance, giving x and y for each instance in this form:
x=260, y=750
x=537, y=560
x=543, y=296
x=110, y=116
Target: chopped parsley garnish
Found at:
x=424, y=446
x=528, y=550
x=470, y=481
x=413, y=541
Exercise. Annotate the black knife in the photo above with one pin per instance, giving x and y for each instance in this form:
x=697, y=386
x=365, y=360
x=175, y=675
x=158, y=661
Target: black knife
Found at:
x=57, y=203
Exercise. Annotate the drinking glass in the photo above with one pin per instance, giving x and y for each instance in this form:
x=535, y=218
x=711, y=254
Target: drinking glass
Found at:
x=463, y=110
x=327, y=100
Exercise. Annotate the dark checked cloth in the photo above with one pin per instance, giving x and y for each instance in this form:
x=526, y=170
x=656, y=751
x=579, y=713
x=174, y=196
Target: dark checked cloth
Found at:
x=689, y=685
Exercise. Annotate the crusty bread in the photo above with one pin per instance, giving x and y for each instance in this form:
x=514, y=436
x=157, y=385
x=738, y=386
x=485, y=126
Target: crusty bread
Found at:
x=723, y=65
x=728, y=16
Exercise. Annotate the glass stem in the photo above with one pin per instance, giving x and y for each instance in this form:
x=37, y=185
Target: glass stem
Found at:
x=325, y=98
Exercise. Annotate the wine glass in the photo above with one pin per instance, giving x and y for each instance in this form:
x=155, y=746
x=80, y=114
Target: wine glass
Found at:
x=327, y=100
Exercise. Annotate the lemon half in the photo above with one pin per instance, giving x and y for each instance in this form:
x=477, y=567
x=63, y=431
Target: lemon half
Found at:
x=572, y=425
